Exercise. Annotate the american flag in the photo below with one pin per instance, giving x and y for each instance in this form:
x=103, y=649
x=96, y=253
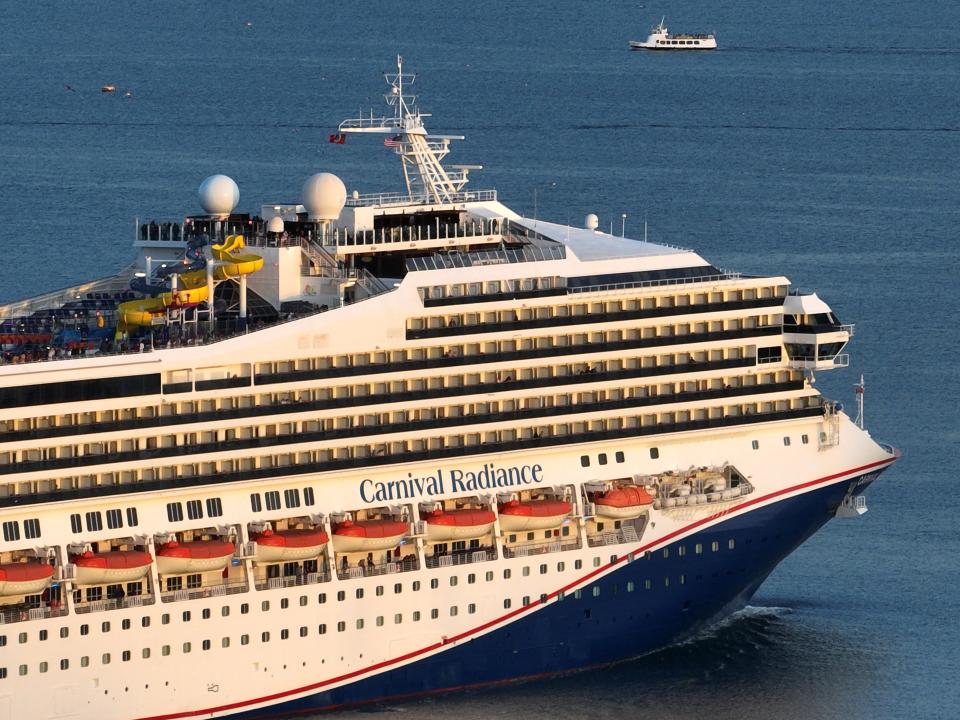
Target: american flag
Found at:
x=394, y=141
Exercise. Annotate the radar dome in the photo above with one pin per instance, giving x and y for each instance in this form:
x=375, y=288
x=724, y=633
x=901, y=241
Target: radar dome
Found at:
x=275, y=224
x=591, y=222
x=219, y=195
x=324, y=196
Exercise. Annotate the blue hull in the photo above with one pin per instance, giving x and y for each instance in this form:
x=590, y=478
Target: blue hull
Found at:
x=642, y=606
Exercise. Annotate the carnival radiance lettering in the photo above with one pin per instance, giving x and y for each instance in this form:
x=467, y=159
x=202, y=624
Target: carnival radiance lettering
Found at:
x=489, y=477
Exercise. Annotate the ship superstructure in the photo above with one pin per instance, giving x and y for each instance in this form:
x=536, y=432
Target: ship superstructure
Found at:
x=361, y=447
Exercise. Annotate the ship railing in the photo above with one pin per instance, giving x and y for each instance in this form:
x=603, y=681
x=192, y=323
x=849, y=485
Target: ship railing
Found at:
x=540, y=548
x=112, y=604
x=209, y=591
x=414, y=233
x=390, y=568
x=293, y=580
x=630, y=531
x=387, y=199
x=614, y=287
x=22, y=613
x=465, y=557
x=810, y=362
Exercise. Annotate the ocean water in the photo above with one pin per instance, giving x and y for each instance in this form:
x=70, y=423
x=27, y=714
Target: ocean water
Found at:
x=822, y=142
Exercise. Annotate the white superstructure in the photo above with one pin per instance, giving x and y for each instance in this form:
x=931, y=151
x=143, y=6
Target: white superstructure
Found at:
x=660, y=38
x=383, y=434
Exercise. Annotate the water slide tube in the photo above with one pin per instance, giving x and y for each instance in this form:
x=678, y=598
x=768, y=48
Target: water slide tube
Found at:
x=192, y=289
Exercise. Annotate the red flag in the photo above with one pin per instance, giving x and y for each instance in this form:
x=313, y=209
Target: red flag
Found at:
x=338, y=138
x=394, y=141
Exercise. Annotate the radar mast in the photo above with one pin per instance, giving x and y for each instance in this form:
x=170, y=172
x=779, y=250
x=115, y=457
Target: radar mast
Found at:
x=421, y=153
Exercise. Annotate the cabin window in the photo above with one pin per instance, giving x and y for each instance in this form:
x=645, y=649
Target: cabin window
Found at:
x=75, y=525
x=654, y=453
x=94, y=521
x=114, y=519
x=194, y=510
x=132, y=519
x=786, y=440
x=602, y=458
x=584, y=461
x=255, y=503
x=322, y=629
x=755, y=444
x=31, y=528
x=619, y=456
x=273, y=500
x=308, y=498
x=11, y=531
x=214, y=507
x=292, y=498
x=174, y=512
x=805, y=439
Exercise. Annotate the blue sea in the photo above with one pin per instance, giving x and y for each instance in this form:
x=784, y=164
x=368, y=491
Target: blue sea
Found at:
x=822, y=141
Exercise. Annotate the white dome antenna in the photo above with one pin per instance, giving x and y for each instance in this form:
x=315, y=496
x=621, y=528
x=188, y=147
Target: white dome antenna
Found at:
x=324, y=196
x=591, y=222
x=218, y=195
x=275, y=225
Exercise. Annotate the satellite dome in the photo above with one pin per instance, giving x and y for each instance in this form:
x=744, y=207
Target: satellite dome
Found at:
x=591, y=222
x=324, y=196
x=275, y=224
x=219, y=195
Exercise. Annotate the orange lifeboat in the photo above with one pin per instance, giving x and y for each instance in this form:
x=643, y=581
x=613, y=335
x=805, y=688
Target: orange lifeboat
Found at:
x=198, y=556
x=289, y=545
x=368, y=535
x=462, y=524
x=25, y=578
x=533, y=514
x=111, y=567
x=623, y=503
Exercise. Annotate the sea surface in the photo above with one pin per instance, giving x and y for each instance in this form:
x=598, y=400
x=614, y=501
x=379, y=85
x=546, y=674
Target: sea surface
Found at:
x=822, y=141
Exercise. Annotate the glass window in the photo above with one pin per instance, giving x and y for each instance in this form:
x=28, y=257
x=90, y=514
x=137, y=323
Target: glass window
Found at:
x=114, y=518
x=194, y=510
x=31, y=528
x=654, y=453
x=214, y=507
x=786, y=440
x=273, y=500
x=602, y=458
x=291, y=497
x=619, y=456
x=174, y=512
x=132, y=519
x=805, y=439
x=308, y=498
x=755, y=444
x=584, y=461
x=11, y=531
x=94, y=521
x=255, y=503
x=75, y=523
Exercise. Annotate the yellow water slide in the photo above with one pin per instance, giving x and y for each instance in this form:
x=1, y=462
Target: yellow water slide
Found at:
x=192, y=289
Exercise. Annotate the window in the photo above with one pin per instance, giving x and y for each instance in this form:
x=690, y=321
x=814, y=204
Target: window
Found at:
x=698, y=548
x=786, y=440
x=43, y=635
x=132, y=519
x=94, y=521
x=755, y=444
x=85, y=661
x=714, y=546
x=187, y=647
x=125, y=656
x=3, y=673
x=303, y=631
x=731, y=544
x=506, y=604
x=194, y=509
x=434, y=614
x=654, y=453
x=125, y=624
x=174, y=512
x=379, y=590
x=186, y=616
x=453, y=611
x=75, y=525
x=341, y=626
x=416, y=616
x=322, y=598
x=214, y=507
x=31, y=528
x=145, y=653
x=291, y=497
x=265, y=637
x=284, y=634
x=114, y=519
x=205, y=614
x=805, y=439
x=584, y=461
x=602, y=458
x=105, y=627
x=472, y=608
x=255, y=503
x=434, y=584
x=322, y=629
x=244, y=608
x=619, y=456
x=84, y=629
x=308, y=498
x=273, y=500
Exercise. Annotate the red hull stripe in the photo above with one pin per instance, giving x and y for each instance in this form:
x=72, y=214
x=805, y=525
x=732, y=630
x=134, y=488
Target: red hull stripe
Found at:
x=514, y=613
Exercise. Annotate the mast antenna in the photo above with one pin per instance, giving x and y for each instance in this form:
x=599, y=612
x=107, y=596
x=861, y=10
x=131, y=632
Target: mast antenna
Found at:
x=421, y=154
x=858, y=390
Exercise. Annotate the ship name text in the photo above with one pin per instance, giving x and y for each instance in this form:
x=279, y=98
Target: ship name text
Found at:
x=489, y=477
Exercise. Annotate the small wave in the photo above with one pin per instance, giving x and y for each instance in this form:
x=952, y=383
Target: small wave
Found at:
x=745, y=616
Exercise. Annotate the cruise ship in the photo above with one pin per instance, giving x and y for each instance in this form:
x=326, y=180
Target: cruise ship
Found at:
x=363, y=447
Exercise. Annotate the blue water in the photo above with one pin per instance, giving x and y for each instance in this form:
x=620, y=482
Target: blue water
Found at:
x=822, y=142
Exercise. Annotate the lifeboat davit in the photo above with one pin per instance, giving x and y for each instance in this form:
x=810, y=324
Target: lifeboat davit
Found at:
x=368, y=535
x=198, y=556
x=26, y=578
x=289, y=545
x=533, y=514
x=465, y=524
x=106, y=568
x=625, y=503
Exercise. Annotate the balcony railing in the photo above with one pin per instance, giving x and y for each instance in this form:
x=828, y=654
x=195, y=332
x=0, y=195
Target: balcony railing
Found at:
x=21, y=613
x=293, y=580
x=465, y=557
x=541, y=548
x=209, y=591
x=113, y=604
x=387, y=199
x=390, y=568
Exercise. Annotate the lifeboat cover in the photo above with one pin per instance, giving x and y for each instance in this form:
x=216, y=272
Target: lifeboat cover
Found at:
x=25, y=572
x=624, y=497
x=292, y=538
x=197, y=550
x=460, y=518
x=119, y=560
x=536, y=508
x=371, y=528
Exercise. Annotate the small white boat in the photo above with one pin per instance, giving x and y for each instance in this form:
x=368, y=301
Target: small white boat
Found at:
x=661, y=39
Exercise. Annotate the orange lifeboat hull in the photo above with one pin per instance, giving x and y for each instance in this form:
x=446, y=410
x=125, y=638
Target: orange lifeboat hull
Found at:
x=368, y=535
x=194, y=557
x=624, y=503
x=533, y=514
x=111, y=567
x=29, y=578
x=445, y=525
x=289, y=545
